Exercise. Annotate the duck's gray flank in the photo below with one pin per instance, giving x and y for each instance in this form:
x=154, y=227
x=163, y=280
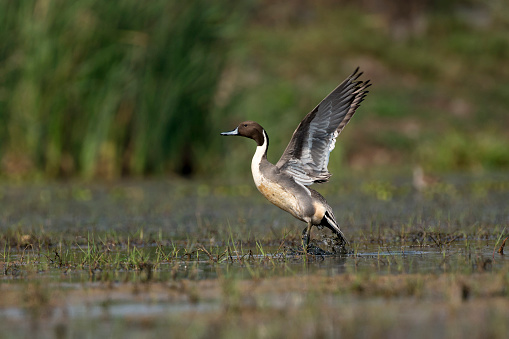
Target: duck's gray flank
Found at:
x=306, y=157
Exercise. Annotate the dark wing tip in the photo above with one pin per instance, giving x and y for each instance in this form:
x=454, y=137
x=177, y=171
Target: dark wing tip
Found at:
x=355, y=76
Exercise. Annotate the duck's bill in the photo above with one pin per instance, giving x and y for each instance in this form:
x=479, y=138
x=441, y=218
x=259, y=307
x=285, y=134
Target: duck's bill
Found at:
x=234, y=132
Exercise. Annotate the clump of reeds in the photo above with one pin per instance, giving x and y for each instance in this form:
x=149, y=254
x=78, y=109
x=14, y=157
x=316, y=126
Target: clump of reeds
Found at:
x=107, y=87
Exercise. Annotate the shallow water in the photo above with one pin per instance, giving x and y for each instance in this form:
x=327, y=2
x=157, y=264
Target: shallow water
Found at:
x=125, y=296
x=177, y=209
x=452, y=229
x=460, y=256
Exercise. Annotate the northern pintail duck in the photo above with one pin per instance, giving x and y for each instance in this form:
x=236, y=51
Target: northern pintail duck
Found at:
x=305, y=160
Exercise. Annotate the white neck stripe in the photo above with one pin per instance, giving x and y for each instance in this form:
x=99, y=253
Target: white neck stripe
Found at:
x=257, y=159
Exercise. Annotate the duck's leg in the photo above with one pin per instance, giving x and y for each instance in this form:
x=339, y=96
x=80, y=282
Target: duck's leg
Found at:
x=306, y=234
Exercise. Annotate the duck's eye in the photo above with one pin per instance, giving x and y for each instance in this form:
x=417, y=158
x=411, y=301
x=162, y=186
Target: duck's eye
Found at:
x=245, y=125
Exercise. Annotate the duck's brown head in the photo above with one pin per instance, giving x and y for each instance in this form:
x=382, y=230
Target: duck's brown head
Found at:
x=248, y=129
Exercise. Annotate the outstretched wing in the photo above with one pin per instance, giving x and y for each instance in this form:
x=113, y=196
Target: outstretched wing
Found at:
x=307, y=155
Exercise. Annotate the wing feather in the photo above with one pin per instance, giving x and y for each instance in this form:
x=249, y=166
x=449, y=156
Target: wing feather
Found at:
x=307, y=155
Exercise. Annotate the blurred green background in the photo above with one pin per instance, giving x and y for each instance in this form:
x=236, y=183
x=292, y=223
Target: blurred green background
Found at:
x=106, y=89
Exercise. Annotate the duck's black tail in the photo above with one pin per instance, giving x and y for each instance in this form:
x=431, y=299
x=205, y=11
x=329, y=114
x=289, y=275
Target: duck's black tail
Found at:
x=330, y=222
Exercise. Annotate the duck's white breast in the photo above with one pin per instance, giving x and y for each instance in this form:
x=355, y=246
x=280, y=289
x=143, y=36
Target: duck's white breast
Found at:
x=273, y=191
